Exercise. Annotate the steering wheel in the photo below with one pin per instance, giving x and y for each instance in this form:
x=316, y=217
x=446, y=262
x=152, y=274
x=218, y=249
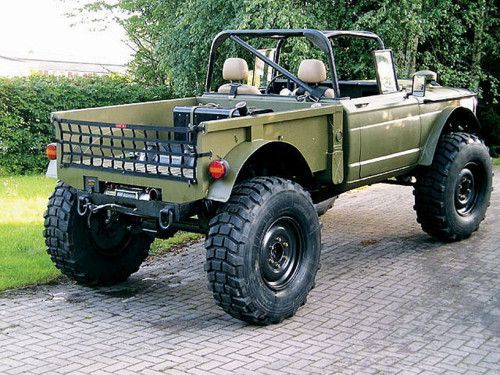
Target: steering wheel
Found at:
x=271, y=82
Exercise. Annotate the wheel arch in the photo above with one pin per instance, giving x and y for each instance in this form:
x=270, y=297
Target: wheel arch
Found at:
x=451, y=119
x=261, y=158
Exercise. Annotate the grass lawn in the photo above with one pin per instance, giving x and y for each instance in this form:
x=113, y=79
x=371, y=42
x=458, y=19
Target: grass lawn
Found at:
x=23, y=259
x=496, y=161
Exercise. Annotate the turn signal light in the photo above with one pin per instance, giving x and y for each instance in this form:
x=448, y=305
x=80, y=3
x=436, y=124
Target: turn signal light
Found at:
x=218, y=169
x=51, y=151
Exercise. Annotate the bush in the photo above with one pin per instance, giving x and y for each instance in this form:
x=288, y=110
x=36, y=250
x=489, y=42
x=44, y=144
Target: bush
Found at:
x=490, y=121
x=26, y=104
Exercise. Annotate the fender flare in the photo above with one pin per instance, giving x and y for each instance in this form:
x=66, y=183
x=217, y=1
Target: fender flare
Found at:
x=220, y=190
x=430, y=146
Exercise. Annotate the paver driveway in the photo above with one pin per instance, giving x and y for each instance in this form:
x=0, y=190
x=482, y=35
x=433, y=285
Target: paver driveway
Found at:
x=388, y=299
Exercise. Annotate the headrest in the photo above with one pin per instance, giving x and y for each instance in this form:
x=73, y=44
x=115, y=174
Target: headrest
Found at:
x=235, y=69
x=312, y=71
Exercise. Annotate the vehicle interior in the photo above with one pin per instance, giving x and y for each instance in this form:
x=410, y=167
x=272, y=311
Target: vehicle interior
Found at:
x=300, y=64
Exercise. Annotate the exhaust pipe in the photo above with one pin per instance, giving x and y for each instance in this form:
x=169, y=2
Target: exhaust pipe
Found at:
x=154, y=194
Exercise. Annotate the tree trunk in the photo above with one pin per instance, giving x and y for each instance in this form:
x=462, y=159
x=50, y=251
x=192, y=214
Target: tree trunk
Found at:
x=411, y=55
x=478, y=45
x=413, y=39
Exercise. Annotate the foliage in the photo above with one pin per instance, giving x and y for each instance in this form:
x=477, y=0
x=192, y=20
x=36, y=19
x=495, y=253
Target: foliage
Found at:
x=490, y=122
x=457, y=38
x=172, y=38
x=26, y=104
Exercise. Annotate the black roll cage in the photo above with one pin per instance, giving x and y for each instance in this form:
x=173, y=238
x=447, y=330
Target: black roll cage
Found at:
x=321, y=39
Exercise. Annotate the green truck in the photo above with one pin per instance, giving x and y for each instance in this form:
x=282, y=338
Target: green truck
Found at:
x=254, y=161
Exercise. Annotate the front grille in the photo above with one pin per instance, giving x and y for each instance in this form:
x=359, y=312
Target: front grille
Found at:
x=142, y=150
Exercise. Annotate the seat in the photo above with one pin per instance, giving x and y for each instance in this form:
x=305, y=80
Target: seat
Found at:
x=313, y=71
x=236, y=69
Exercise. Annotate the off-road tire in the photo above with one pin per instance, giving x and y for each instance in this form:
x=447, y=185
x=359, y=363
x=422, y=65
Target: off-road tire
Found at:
x=448, y=206
x=72, y=250
x=265, y=216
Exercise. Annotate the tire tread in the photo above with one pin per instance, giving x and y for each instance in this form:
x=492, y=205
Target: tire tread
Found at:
x=224, y=264
x=431, y=185
x=61, y=248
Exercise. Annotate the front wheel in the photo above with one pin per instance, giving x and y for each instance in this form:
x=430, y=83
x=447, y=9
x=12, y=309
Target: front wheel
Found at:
x=97, y=252
x=453, y=194
x=263, y=250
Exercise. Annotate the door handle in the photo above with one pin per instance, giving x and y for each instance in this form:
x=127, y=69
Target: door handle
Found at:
x=361, y=105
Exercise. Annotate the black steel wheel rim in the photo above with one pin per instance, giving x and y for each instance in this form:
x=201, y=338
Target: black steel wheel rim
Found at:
x=467, y=190
x=108, y=234
x=281, y=253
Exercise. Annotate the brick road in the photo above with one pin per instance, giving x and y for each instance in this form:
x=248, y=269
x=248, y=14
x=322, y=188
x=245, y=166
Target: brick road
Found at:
x=388, y=299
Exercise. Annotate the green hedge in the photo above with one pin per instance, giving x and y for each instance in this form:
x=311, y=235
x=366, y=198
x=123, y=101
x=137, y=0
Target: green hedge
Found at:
x=26, y=103
x=489, y=117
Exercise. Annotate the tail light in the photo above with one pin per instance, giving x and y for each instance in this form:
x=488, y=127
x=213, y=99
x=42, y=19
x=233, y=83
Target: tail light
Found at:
x=218, y=169
x=51, y=151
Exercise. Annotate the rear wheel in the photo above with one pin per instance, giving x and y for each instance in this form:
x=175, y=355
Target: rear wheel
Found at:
x=263, y=250
x=453, y=194
x=95, y=252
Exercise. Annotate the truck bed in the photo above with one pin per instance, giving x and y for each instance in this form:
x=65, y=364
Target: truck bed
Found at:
x=146, y=144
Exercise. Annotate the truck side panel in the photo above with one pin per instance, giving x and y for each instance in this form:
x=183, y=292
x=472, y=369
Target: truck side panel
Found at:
x=309, y=130
x=306, y=129
x=389, y=128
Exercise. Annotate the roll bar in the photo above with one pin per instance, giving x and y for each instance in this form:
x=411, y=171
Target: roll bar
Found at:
x=320, y=39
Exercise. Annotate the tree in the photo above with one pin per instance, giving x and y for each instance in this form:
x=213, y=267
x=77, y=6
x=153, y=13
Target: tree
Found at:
x=457, y=38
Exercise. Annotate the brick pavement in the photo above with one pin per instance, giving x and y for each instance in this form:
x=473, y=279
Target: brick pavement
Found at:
x=388, y=299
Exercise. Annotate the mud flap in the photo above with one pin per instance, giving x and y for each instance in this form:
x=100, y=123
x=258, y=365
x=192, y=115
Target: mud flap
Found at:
x=52, y=169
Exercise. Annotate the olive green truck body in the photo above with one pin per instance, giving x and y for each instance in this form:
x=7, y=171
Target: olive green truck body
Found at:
x=340, y=145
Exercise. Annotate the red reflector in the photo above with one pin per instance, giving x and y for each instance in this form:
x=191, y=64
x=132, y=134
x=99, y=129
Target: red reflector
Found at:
x=218, y=169
x=121, y=126
x=51, y=151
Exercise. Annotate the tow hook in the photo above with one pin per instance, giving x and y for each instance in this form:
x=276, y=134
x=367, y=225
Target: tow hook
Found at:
x=83, y=206
x=168, y=214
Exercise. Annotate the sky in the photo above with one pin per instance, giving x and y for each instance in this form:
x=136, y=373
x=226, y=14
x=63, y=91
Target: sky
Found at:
x=40, y=29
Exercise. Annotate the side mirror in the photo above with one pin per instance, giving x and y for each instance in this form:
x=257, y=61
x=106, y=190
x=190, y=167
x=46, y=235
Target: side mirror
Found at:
x=420, y=81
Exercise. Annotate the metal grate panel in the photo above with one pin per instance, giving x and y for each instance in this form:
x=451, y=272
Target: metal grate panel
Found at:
x=143, y=150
